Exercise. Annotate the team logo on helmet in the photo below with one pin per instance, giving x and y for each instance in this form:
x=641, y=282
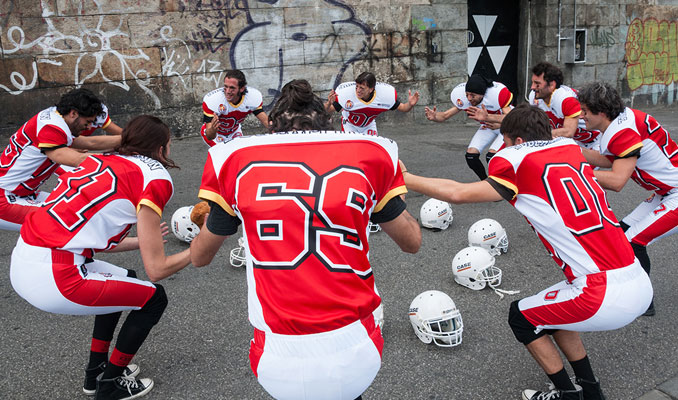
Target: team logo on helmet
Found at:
x=459, y=103
x=349, y=104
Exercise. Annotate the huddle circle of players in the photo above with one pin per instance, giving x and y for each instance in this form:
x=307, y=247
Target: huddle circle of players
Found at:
x=564, y=133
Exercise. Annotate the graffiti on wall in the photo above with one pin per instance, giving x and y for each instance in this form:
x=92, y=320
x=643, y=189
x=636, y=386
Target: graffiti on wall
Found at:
x=228, y=35
x=651, y=53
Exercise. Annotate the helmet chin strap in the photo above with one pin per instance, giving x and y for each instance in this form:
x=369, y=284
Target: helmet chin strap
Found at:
x=502, y=292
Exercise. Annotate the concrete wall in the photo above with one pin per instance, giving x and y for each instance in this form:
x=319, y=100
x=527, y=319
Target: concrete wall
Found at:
x=162, y=56
x=630, y=42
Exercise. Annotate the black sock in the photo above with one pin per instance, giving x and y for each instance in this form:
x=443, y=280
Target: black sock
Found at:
x=561, y=380
x=582, y=369
x=112, y=371
x=473, y=162
x=641, y=254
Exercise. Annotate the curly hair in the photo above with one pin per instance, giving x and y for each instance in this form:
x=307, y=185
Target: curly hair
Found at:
x=298, y=108
x=86, y=103
x=601, y=97
x=550, y=71
x=148, y=136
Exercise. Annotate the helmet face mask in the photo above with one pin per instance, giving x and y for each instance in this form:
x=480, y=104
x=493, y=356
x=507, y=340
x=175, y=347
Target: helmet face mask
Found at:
x=473, y=267
x=182, y=227
x=435, y=319
x=373, y=228
x=490, y=235
x=237, y=255
x=436, y=214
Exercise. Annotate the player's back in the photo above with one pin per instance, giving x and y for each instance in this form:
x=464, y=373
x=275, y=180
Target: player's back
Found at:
x=94, y=206
x=305, y=200
x=558, y=195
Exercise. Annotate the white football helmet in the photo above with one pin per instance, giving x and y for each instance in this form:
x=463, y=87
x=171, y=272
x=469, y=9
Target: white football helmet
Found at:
x=238, y=254
x=490, y=235
x=435, y=318
x=474, y=268
x=182, y=226
x=435, y=214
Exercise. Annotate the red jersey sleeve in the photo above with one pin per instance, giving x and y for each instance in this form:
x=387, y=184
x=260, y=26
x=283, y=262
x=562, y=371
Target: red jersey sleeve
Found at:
x=505, y=97
x=156, y=195
x=502, y=172
x=396, y=188
x=206, y=110
x=209, y=186
x=571, y=107
x=624, y=142
x=51, y=136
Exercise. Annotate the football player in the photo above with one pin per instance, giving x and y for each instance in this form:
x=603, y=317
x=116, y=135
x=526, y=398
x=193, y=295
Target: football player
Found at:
x=360, y=103
x=633, y=145
x=49, y=139
x=305, y=220
x=485, y=101
x=605, y=288
x=91, y=210
x=225, y=109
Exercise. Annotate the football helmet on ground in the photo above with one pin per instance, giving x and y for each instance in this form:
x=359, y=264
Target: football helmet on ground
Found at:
x=436, y=214
x=435, y=318
x=182, y=226
x=490, y=235
x=238, y=258
x=473, y=267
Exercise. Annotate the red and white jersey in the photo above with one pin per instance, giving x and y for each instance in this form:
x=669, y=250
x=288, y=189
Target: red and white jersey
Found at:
x=496, y=97
x=305, y=222
x=101, y=121
x=358, y=115
x=564, y=204
x=657, y=166
x=23, y=165
x=230, y=115
x=564, y=104
x=94, y=206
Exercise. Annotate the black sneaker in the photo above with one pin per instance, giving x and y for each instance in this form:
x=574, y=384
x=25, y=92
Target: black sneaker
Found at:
x=91, y=374
x=554, y=394
x=592, y=390
x=123, y=388
x=650, y=310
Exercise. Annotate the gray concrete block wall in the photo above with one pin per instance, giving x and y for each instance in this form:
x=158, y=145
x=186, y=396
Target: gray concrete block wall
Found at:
x=162, y=56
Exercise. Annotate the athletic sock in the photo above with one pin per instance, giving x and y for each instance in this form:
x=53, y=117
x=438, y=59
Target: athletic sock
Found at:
x=582, y=369
x=561, y=380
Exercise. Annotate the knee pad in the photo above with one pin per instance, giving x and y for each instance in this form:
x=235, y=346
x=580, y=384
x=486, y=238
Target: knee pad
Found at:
x=131, y=273
x=489, y=156
x=155, y=306
x=473, y=162
x=625, y=227
x=522, y=329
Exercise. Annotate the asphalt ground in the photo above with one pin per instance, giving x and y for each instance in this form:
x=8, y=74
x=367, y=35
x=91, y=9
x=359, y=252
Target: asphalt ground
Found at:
x=199, y=349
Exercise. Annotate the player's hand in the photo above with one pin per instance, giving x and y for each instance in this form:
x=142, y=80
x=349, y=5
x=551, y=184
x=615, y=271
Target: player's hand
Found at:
x=164, y=231
x=477, y=113
x=332, y=96
x=492, y=125
x=211, y=128
x=430, y=113
x=412, y=99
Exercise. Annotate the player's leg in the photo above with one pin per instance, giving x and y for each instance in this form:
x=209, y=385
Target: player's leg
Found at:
x=481, y=139
x=496, y=144
x=13, y=209
x=572, y=347
x=653, y=219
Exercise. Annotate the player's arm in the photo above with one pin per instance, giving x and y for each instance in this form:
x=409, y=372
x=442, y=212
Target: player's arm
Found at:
x=596, y=159
x=99, y=143
x=263, y=118
x=151, y=244
x=412, y=100
x=210, y=126
x=480, y=114
x=616, y=178
x=569, y=127
x=331, y=104
x=432, y=114
x=132, y=242
x=405, y=231
x=217, y=227
x=65, y=156
x=113, y=129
